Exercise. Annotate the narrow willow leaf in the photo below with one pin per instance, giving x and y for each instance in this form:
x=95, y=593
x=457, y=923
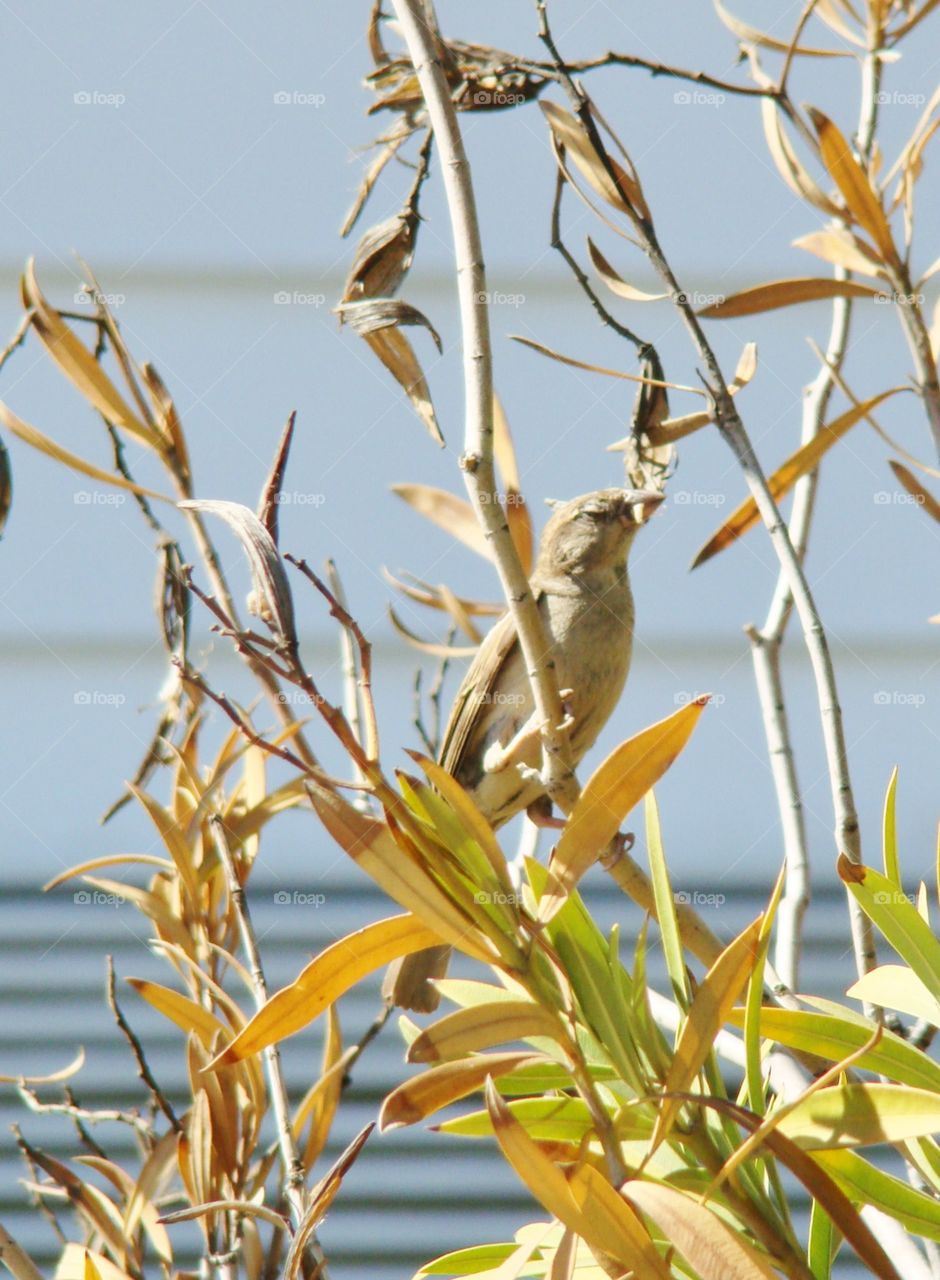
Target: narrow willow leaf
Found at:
x=394, y=350
x=890, y=831
x=889, y=909
x=917, y=1212
x=325, y=979
x=784, y=293
x=597, y=368
x=439, y=1086
x=624, y=193
x=841, y=249
x=752, y=35
x=921, y=495
x=800, y=463
x=433, y=647
x=481, y=1027
x=849, y=1115
x=611, y=792
x=853, y=182
x=189, y=1016
x=665, y=904
x=788, y=164
x=452, y=514
x=615, y=283
x=894, y=986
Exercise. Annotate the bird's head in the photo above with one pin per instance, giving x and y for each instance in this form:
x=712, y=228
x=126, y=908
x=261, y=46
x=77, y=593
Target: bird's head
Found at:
x=594, y=532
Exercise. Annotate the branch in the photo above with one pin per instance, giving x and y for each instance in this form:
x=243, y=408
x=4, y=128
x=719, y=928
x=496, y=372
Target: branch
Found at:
x=419, y=28
x=294, y=1182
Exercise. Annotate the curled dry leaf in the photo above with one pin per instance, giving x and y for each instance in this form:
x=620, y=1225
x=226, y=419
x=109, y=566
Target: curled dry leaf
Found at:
x=605, y=175
x=615, y=283
x=169, y=425
x=800, y=463
x=788, y=164
x=378, y=321
x=269, y=581
x=422, y=592
x=753, y=35
x=270, y=498
x=785, y=293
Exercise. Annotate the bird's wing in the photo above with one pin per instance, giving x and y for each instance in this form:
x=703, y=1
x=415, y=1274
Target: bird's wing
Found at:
x=471, y=699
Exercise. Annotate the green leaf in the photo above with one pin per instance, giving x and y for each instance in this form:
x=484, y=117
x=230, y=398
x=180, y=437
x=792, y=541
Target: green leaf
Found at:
x=900, y=922
x=544, y=1119
x=862, y=1182
x=665, y=904
x=848, y=1115
x=892, y=870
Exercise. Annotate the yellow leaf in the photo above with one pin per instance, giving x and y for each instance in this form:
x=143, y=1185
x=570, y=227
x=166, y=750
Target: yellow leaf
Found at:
x=452, y=514
x=517, y=511
x=840, y=248
x=35, y=439
x=852, y=180
x=611, y=792
x=710, y=1246
x=800, y=463
x=788, y=164
x=481, y=1027
x=470, y=816
x=438, y=1087
x=370, y=844
x=325, y=979
x=752, y=35
x=710, y=1007
x=78, y=364
x=922, y=496
x=615, y=283
x=785, y=293
x=848, y=1115
x=187, y=1014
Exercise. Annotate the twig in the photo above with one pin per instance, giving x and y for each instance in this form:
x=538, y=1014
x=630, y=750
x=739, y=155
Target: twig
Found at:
x=656, y=69
x=419, y=28
x=143, y=1069
x=35, y=1104
x=728, y=420
x=350, y=668
x=15, y=1260
x=294, y=1182
x=431, y=736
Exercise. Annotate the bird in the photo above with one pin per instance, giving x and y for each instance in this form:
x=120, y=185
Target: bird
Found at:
x=492, y=740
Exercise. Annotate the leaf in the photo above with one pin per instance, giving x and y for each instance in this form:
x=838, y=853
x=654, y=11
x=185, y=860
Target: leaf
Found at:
x=36, y=440
x=916, y=1212
x=835, y=1037
x=889, y=909
x=325, y=979
x=894, y=986
x=470, y=816
x=752, y=35
x=922, y=496
x=851, y=179
x=438, y=1087
x=78, y=364
x=481, y=1027
x=840, y=248
x=370, y=844
x=596, y=368
x=517, y=511
x=568, y=131
x=800, y=463
x=377, y=321
x=784, y=293
x=665, y=904
x=847, y=1115
x=890, y=832
x=787, y=162
x=452, y=514
x=189, y=1016
x=615, y=283
x=611, y=792
x=712, y=1247
x=271, y=589
x=604, y=1220
x=549, y=1119
x=433, y=647
x=708, y=1012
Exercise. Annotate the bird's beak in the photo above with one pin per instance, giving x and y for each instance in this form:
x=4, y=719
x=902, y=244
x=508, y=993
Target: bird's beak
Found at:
x=639, y=505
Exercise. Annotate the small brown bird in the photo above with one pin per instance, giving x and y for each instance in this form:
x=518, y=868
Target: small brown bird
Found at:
x=583, y=592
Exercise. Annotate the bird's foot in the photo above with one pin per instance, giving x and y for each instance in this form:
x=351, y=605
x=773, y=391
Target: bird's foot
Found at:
x=539, y=813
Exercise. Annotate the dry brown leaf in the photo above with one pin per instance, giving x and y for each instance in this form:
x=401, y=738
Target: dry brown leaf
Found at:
x=432, y=647
x=921, y=495
x=625, y=193
x=788, y=164
x=752, y=35
x=452, y=514
x=615, y=283
x=785, y=293
x=854, y=184
x=841, y=248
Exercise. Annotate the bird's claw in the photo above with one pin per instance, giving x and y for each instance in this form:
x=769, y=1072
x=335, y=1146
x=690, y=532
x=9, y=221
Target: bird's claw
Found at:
x=622, y=843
